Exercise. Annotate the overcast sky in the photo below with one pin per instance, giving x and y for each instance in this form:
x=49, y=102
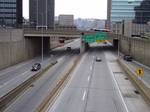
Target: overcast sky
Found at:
x=79, y=8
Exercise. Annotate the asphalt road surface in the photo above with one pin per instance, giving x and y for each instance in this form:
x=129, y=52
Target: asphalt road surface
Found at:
x=14, y=76
x=91, y=88
x=35, y=94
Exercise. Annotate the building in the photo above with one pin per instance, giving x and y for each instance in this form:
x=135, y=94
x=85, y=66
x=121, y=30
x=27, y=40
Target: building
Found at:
x=137, y=11
x=131, y=29
x=66, y=20
x=109, y=2
x=41, y=13
x=142, y=12
x=90, y=24
x=11, y=13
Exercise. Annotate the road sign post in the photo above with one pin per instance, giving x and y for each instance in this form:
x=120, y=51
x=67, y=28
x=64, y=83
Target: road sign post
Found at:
x=139, y=72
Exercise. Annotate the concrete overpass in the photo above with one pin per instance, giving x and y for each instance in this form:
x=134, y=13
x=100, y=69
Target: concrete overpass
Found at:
x=30, y=32
x=47, y=34
x=17, y=45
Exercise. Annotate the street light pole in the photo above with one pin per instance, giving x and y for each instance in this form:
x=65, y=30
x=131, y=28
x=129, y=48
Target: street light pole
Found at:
x=42, y=38
x=37, y=14
x=46, y=14
x=118, y=47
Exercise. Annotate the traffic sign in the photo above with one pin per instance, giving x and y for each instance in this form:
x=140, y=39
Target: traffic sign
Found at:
x=101, y=36
x=88, y=38
x=99, y=41
x=139, y=72
x=98, y=37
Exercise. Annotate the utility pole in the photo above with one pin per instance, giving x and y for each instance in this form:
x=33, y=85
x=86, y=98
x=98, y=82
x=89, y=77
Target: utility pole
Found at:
x=42, y=38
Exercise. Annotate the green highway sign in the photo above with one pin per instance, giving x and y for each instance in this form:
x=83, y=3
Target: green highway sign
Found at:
x=89, y=38
x=99, y=37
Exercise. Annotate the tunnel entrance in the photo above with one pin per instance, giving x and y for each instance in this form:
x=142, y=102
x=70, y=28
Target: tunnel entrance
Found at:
x=115, y=43
x=34, y=45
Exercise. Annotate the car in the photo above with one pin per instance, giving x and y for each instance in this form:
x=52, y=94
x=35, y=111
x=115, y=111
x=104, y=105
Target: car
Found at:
x=54, y=62
x=105, y=42
x=127, y=58
x=97, y=59
x=36, y=67
x=68, y=48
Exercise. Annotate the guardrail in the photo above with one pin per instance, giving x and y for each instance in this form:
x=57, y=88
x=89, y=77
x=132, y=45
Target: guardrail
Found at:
x=144, y=90
x=58, y=87
x=6, y=99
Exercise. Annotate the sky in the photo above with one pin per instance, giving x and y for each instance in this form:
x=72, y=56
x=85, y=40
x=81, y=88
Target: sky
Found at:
x=79, y=8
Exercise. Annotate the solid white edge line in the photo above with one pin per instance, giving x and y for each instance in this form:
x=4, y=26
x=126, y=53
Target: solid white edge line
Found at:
x=125, y=105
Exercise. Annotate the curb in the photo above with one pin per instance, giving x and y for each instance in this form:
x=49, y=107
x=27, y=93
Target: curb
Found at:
x=57, y=88
x=9, y=97
x=143, y=89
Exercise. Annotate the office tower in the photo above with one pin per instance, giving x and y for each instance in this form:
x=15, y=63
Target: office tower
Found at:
x=11, y=13
x=41, y=13
x=142, y=12
x=136, y=10
x=108, y=13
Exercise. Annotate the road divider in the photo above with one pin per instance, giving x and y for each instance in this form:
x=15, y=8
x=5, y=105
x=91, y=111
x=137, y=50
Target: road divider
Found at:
x=138, y=83
x=58, y=86
x=12, y=95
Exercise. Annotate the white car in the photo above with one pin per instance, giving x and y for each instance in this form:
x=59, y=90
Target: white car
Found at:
x=98, y=59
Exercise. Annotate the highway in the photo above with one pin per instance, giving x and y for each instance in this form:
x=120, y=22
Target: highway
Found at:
x=31, y=98
x=91, y=88
x=15, y=75
x=25, y=67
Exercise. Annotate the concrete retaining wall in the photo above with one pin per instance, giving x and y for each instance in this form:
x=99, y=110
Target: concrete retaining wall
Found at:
x=139, y=49
x=14, y=48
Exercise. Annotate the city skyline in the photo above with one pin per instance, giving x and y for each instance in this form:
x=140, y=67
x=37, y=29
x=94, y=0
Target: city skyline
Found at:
x=92, y=9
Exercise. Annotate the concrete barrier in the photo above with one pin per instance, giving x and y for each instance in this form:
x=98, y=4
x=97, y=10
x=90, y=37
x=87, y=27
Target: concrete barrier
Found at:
x=9, y=97
x=57, y=87
x=139, y=84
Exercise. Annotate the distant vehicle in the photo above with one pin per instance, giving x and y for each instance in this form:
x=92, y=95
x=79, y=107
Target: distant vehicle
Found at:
x=98, y=59
x=54, y=62
x=61, y=41
x=101, y=30
x=127, y=58
x=36, y=67
x=105, y=42
x=68, y=48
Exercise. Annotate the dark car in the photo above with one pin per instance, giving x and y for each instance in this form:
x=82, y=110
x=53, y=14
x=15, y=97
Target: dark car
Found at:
x=36, y=67
x=68, y=48
x=97, y=59
x=105, y=42
x=128, y=58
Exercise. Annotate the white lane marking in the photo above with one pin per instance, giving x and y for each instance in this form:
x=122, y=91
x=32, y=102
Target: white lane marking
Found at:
x=60, y=59
x=84, y=94
x=89, y=78
x=13, y=68
x=91, y=68
x=58, y=98
x=114, y=79
x=12, y=80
